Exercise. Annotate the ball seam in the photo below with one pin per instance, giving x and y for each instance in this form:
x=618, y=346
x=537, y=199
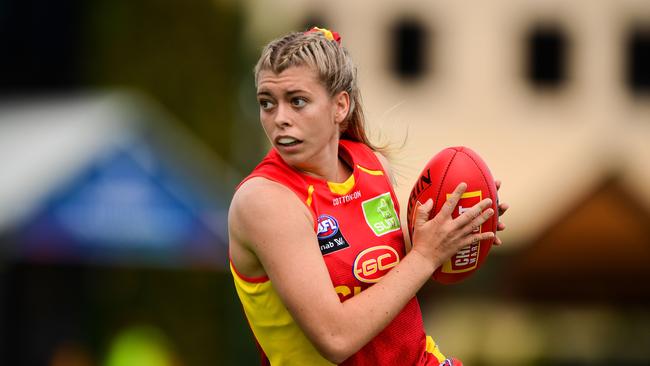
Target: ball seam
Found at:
x=487, y=183
x=435, y=202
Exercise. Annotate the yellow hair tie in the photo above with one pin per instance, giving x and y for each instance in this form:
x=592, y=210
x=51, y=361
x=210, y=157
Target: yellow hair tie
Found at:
x=329, y=35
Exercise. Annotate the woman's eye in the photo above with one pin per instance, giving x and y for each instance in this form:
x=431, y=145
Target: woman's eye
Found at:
x=265, y=104
x=298, y=102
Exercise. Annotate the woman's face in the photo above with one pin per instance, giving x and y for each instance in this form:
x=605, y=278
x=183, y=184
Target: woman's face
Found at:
x=299, y=116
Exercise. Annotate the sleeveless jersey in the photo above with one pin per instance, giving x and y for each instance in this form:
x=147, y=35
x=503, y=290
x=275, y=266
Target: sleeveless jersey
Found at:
x=359, y=235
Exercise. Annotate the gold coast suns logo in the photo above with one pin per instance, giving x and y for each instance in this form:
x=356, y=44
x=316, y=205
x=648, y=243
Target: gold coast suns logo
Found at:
x=373, y=263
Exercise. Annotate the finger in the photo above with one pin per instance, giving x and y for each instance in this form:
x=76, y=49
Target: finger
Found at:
x=497, y=241
x=475, y=238
x=503, y=207
x=473, y=212
x=453, y=199
x=477, y=222
x=422, y=213
x=497, y=182
x=501, y=226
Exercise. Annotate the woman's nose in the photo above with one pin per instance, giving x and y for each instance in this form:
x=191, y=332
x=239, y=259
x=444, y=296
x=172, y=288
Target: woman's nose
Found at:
x=283, y=116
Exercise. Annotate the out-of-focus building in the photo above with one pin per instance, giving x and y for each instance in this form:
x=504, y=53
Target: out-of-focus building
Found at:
x=109, y=178
x=111, y=214
x=540, y=89
x=555, y=96
x=113, y=205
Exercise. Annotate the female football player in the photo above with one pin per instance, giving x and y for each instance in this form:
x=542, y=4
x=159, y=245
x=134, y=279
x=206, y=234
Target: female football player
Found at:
x=316, y=247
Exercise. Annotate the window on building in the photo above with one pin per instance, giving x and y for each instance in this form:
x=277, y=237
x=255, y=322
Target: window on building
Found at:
x=638, y=59
x=409, y=49
x=546, y=48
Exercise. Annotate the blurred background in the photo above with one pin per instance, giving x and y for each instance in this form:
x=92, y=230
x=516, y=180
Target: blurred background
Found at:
x=126, y=125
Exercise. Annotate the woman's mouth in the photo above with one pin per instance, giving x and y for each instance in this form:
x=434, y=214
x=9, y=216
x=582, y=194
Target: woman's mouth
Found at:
x=287, y=141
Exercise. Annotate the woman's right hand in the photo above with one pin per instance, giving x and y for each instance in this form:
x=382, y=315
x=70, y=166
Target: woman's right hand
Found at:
x=443, y=236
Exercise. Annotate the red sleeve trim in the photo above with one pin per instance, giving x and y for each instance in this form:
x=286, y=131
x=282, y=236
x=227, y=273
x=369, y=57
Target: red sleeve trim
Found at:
x=259, y=279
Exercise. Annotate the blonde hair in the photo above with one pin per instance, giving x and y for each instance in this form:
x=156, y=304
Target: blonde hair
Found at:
x=335, y=69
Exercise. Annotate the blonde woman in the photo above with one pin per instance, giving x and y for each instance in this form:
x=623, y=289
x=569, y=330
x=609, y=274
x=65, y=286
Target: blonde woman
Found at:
x=316, y=247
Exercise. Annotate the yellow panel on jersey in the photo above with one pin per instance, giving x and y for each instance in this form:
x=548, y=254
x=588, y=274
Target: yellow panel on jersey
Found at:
x=432, y=348
x=370, y=171
x=310, y=191
x=274, y=328
x=342, y=188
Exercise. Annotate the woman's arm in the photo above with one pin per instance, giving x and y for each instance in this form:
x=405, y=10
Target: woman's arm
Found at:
x=271, y=229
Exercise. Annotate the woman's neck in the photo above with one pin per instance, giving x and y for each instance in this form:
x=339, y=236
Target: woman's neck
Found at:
x=337, y=171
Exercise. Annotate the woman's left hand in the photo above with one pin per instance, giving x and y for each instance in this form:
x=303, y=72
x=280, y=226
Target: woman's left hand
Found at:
x=503, y=207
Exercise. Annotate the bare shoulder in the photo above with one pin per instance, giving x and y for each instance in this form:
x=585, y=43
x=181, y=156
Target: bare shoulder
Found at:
x=259, y=192
x=261, y=212
x=261, y=200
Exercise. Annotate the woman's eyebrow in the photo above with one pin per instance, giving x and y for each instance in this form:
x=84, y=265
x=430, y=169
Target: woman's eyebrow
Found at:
x=295, y=91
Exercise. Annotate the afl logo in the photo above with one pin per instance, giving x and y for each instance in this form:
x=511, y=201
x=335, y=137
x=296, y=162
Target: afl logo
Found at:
x=373, y=263
x=327, y=226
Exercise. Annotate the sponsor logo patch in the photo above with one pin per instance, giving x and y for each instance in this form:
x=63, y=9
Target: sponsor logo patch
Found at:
x=373, y=263
x=380, y=214
x=467, y=258
x=346, y=198
x=330, y=238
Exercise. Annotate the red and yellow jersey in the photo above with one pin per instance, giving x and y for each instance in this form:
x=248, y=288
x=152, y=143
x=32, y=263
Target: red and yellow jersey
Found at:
x=360, y=237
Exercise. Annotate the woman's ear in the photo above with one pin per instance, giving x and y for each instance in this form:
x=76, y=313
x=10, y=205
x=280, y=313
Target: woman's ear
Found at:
x=342, y=106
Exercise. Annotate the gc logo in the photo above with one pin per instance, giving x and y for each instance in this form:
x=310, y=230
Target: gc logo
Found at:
x=373, y=263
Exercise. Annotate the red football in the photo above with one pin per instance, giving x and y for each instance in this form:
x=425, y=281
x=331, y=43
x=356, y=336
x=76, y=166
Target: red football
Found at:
x=439, y=178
